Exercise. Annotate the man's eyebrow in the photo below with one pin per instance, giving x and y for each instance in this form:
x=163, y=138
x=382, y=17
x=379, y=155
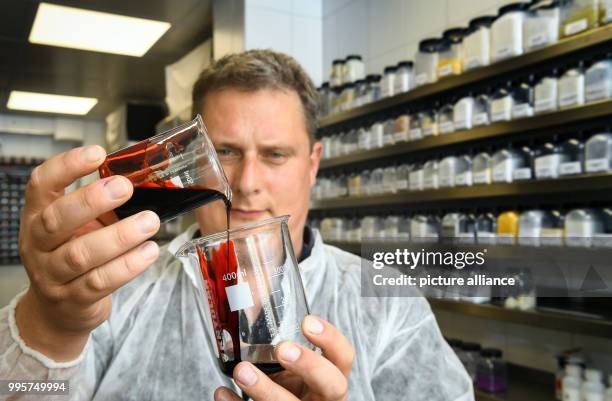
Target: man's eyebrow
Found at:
x=281, y=147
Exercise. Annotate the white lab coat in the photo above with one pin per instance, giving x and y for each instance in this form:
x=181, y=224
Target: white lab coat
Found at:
x=155, y=347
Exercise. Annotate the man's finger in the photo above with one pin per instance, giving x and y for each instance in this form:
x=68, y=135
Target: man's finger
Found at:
x=225, y=394
x=335, y=346
x=82, y=254
x=320, y=375
x=59, y=220
x=104, y=280
x=49, y=179
x=259, y=386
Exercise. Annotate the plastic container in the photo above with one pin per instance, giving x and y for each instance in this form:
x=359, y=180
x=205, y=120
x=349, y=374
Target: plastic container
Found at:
x=481, y=168
x=426, y=62
x=447, y=172
x=377, y=135
x=424, y=228
x=546, y=93
x=505, y=161
x=401, y=128
x=387, y=85
x=363, y=138
x=347, y=97
x=450, y=55
x=463, y=113
x=389, y=131
x=337, y=73
x=580, y=226
x=404, y=77
x=523, y=99
x=430, y=175
x=526, y=170
x=574, y=151
x=548, y=163
x=463, y=171
x=541, y=27
x=531, y=223
x=571, y=87
x=491, y=371
x=429, y=122
x=571, y=383
x=501, y=103
x=552, y=229
x=477, y=43
x=354, y=68
x=351, y=142
x=507, y=227
x=450, y=227
x=403, y=175
x=598, y=81
x=389, y=180
x=603, y=239
x=581, y=15
x=598, y=153
x=373, y=91
x=415, y=181
x=507, y=31
x=375, y=185
x=354, y=185
x=415, y=132
x=361, y=92
x=445, y=119
x=482, y=113
x=486, y=229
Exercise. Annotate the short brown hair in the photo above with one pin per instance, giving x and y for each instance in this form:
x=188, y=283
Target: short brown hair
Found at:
x=259, y=69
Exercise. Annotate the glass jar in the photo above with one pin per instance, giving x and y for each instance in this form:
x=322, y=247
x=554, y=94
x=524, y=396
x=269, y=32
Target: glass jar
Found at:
x=530, y=227
x=387, y=86
x=463, y=171
x=598, y=153
x=364, y=139
x=389, y=131
x=447, y=172
x=507, y=31
x=361, y=92
x=603, y=239
x=552, y=229
x=580, y=16
x=450, y=54
x=571, y=87
x=501, y=103
x=425, y=228
x=326, y=145
x=336, y=101
x=354, y=68
x=354, y=184
x=467, y=234
x=389, y=180
x=481, y=114
x=391, y=228
x=401, y=128
x=548, y=163
x=375, y=186
x=450, y=227
x=377, y=135
x=477, y=43
x=430, y=175
x=366, y=178
x=336, y=145
x=491, y=371
x=429, y=122
x=541, y=26
x=463, y=112
x=505, y=161
x=403, y=175
x=545, y=93
x=481, y=168
x=605, y=12
x=507, y=227
x=573, y=149
x=415, y=180
x=445, y=118
x=523, y=99
x=526, y=170
x=336, y=73
x=416, y=132
x=404, y=77
x=598, y=80
x=486, y=229
x=373, y=81
x=580, y=225
x=469, y=356
x=348, y=97
x=426, y=62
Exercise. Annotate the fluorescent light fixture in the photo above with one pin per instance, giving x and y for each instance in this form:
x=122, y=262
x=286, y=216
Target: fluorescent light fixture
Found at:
x=47, y=103
x=95, y=31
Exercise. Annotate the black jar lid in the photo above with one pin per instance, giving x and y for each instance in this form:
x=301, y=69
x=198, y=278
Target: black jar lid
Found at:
x=471, y=347
x=373, y=77
x=353, y=57
x=429, y=45
x=482, y=21
x=491, y=353
x=508, y=8
x=325, y=84
x=454, y=35
x=360, y=82
x=444, y=45
x=453, y=342
x=405, y=63
x=337, y=61
x=389, y=69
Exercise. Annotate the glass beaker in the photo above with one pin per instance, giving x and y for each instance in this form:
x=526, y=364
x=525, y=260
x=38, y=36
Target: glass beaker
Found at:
x=172, y=172
x=251, y=279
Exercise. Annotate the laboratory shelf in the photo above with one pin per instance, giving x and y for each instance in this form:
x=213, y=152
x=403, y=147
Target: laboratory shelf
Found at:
x=596, y=39
x=588, y=186
x=521, y=127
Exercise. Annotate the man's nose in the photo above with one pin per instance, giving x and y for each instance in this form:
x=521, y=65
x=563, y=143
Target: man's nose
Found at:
x=246, y=179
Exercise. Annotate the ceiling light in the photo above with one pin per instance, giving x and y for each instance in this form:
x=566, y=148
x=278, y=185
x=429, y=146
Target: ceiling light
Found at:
x=48, y=103
x=93, y=30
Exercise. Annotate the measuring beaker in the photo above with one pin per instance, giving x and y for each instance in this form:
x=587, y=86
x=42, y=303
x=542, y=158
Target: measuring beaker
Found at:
x=172, y=172
x=251, y=279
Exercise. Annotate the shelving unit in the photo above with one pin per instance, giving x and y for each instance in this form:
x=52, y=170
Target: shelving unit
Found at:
x=523, y=385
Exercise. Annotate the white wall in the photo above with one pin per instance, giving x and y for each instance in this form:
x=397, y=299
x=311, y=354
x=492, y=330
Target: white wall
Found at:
x=290, y=26
x=387, y=31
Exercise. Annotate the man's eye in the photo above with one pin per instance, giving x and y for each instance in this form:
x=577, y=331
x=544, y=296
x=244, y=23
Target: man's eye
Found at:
x=224, y=152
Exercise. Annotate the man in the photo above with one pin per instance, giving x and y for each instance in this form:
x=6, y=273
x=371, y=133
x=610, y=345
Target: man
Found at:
x=260, y=111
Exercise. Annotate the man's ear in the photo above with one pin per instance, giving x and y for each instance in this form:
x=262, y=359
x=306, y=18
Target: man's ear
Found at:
x=315, y=159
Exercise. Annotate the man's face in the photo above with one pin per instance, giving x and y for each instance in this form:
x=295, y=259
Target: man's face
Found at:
x=262, y=142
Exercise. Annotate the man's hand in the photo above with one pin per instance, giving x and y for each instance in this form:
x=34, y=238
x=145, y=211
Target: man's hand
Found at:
x=308, y=376
x=73, y=261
